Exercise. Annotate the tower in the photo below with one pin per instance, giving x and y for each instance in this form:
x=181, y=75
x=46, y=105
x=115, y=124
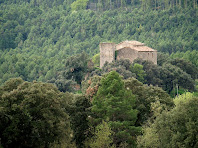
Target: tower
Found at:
x=107, y=53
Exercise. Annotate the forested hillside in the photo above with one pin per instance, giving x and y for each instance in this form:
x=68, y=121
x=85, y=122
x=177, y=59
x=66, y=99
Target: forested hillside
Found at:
x=37, y=36
x=53, y=93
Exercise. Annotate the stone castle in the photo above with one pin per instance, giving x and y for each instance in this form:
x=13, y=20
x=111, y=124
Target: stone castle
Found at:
x=130, y=50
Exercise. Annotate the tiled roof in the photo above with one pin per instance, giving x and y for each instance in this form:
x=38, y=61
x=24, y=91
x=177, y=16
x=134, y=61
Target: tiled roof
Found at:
x=134, y=45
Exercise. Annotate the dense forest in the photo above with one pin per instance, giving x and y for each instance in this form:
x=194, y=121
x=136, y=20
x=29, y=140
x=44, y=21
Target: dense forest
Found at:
x=53, y=93
x=37, y=37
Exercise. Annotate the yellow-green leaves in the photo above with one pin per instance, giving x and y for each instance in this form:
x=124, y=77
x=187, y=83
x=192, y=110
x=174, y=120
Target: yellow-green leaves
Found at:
x=79, y=5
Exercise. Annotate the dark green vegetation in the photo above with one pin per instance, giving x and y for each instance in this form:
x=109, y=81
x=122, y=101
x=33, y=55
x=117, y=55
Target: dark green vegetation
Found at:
x=188, y=55
x=77, y=104
x=38, y=36
x=174, y=128
x=36, y=114
x=33, y=115
x=115, y=104
x=167, y=74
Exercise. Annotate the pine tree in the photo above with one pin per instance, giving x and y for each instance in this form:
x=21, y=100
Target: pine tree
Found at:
x=115, y=104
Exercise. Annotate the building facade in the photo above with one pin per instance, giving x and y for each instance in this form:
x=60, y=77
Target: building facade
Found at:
x=130, y=50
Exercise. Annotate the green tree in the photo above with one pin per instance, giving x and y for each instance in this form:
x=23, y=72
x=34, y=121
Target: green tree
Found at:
x=162, y=58
x=103, y=137
x=138, y=70
x=174, y=128
x=122, y=67
x=79, y=112
x=145, y=96
x=186, y=66
x=180, y=77
x=96, y=60
x=48, y=33
x=33, y=115
x=76, y=67
x=90, y=87
x=63, y=84
x=191, y=56
x=115, y=104
x=166, y=76
x=79, y=5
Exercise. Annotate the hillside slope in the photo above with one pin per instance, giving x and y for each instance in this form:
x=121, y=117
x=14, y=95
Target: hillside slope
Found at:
x=37, y=37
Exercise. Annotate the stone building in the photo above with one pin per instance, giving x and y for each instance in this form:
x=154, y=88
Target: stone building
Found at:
x=130, y=50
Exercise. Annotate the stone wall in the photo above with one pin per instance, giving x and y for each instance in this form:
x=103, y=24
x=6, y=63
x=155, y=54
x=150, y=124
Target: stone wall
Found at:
x=131, y=54
x=126, y=50
x=127, y=53
x=150, y=56
x=154, y=59
x=107, y=53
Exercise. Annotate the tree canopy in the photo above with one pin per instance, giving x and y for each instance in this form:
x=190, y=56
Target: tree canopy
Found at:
x=59, y=97
x=174, y=128
x=37, y=37
x=115, y=104
x=33, y=115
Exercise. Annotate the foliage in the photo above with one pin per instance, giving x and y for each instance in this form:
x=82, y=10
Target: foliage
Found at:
x=103, y=137
x=186, y=66
x=79, y=5
x=33, y=115
x=180, y=77
x=90, y=87
x=64, y=84
x=183, y=98
x=196, y=82
x=162, y=58
x=138, y=70
x=96, y=60
x=38, y=36
x=191, y=56
x=180, y=130
x=115, y=104
x=76, y=67
x=79, y=112
x=45, y=40
x=180, y=91
x=106, y=5
x=145, y=96
x=122, y=67
x=166, y=76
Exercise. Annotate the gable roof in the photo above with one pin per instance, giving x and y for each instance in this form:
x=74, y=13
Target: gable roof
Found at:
x=138, y=46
